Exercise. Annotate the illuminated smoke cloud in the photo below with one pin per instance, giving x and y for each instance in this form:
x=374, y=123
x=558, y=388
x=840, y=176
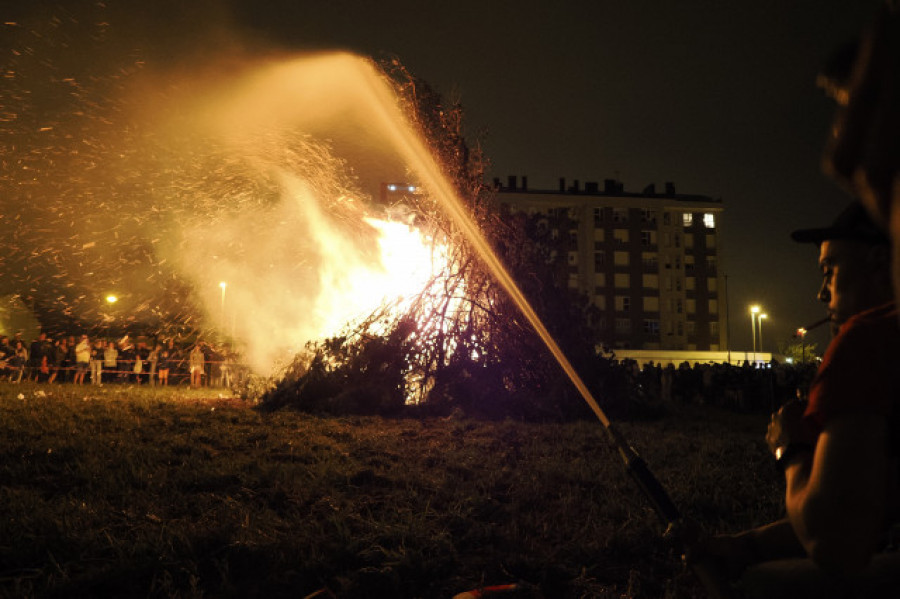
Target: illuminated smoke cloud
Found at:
x=158, y=185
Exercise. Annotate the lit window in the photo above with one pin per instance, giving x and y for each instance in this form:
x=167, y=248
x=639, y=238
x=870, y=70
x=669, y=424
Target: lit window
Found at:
x=599, y=235
x=688, y=240
x=620, y=258
x=689, y=283
x=651, y=281
x=651, y=304
x=712, y=284
x=573, y=280
x=623, y=303
x=709, y=220
x=688, y=219
x=620, y=235
x=600, y=301
x=690, y=327
x=713, y=306
x=622, y=280
x=600, y=279
x=690, y=305
x=710, y=241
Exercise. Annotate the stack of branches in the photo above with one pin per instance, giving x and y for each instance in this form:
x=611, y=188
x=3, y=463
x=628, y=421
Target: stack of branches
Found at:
x=461, y=344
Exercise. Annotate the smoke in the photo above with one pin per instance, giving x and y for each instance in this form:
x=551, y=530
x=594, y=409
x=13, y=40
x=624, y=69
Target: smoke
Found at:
x=162, y=183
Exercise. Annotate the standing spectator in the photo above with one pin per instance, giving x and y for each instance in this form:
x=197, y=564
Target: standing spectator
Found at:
x=126, y=359
x=37, y=357
x=166, y=354
x=141, y=362
x=69, y=361
x=111, y=358
x=96, y=362
x=18, y=361
x=153, y=361
x=82, y=359
x=214, y=368
x=197, y=363
x=55, y=358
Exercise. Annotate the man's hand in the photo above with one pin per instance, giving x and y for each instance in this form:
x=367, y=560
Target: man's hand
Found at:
x=787, y=427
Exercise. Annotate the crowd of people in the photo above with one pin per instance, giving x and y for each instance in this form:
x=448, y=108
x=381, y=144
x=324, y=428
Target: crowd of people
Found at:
x=744, y=388
x=80, y=360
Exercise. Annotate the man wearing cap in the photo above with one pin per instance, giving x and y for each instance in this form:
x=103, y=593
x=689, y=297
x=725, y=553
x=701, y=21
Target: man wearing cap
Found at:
x=840, y=452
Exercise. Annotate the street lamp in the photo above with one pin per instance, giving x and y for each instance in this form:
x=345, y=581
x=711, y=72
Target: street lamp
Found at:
x=759, y=320
x=223, y=285
x=801, y=332
x=110, y=300
x=754, y=310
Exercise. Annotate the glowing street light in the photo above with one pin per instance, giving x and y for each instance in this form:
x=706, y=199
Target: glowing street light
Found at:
x=111, y=299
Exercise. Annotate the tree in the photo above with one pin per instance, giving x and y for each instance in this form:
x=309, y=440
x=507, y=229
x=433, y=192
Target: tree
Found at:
x=798, y=351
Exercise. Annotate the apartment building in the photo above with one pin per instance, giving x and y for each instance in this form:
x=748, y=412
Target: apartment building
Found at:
x=649, y=261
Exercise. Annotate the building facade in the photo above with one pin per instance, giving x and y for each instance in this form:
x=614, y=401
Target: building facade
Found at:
x=648, y=261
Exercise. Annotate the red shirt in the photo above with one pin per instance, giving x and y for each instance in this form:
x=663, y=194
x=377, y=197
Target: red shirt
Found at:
x=860, y=371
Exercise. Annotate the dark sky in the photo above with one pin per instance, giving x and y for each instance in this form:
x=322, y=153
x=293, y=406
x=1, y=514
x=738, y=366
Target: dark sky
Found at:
x=717, y=97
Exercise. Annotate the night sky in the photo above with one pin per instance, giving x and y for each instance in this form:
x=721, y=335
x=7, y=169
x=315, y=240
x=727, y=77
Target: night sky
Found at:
x=717, y=97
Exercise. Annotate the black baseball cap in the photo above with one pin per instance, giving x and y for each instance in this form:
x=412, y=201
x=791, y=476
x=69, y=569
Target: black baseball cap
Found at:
x=853, y=223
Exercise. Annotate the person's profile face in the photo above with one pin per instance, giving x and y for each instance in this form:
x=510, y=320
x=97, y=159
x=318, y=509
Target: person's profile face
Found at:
x=845, y=279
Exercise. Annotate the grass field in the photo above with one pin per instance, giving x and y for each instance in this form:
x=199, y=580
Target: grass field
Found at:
x=120, y=492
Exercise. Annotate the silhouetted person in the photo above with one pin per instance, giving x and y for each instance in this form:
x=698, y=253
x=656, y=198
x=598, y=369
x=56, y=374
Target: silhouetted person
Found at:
x=841, y=451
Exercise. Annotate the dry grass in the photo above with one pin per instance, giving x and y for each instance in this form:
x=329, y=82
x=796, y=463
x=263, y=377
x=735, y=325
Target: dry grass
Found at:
x=137, y=492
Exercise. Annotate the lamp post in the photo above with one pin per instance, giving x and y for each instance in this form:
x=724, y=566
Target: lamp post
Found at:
x=801, y=332
x=754, y=310
x=759, y=320
x=223, y=285
x=110, y=300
